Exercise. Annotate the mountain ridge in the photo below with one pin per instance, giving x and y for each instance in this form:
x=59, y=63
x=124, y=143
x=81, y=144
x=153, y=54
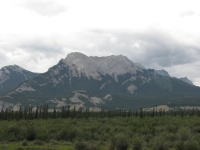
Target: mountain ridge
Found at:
x=101, y=83
x=112, y=65
x=165, y=73
x=11, y=76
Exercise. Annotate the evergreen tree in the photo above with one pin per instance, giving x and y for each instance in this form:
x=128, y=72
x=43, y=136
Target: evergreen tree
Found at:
x=54, y=113
x=153, y=113
x=141, y=113
x=36, y=113
x=25, y=113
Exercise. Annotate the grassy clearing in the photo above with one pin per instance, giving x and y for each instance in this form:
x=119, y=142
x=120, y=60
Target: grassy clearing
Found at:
x=115, y=133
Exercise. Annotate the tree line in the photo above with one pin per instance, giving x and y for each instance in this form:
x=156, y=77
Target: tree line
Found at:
x=42, y=112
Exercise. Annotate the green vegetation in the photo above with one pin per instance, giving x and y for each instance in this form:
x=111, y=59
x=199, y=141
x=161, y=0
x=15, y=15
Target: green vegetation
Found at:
x=109, y=130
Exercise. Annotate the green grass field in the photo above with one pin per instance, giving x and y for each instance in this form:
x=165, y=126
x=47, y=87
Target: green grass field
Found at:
x=120, y=133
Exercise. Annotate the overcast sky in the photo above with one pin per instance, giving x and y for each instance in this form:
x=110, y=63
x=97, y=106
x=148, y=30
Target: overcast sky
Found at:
x=159, y=34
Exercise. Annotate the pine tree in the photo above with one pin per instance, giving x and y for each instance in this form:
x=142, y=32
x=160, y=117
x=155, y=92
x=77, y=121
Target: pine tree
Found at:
x=153, y=113
x=63, y=112
x=40, y=112
x=25, y=113
x=54, y=113
x=141, y=113
x=6, y=114
x=36, y=113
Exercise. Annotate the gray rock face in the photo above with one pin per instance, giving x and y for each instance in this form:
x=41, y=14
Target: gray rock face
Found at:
x=4, y=105
x=94, y=66
x=12, y=76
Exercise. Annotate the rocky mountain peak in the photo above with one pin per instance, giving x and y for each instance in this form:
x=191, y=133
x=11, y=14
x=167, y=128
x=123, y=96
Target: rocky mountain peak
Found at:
x=75, y=55
x=163, y=73
x=11, y=68
x=93, y=66
x=11, y=76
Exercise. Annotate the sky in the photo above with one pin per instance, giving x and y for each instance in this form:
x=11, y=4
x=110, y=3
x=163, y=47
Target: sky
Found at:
x=159, y=34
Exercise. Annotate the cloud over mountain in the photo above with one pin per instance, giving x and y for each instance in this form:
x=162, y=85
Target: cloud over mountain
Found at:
x=42, y=32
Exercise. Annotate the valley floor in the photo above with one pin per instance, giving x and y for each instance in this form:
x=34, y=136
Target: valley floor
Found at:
x=147, y=133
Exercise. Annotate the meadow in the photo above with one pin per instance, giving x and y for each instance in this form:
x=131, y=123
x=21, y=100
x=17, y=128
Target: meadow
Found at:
x=103, y=131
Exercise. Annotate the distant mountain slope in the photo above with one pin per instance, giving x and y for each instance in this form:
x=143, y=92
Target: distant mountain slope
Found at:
x=11, y=76
x=185, y=79
x=102, y=82
x=165, y=73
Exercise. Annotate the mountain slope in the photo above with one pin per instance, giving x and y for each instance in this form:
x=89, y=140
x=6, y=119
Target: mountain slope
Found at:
x=102, y=82
x=185, y=79
x=11, y=76
x=165, y=73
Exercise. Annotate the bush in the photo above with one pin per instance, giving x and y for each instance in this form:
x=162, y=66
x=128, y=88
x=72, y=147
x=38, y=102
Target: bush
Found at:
x=68, y=135
x=43, y=136
x=38, y=142
x=179, y=145
x=80, y=145
x=112, y=143
x=137, y=143
x=31, y=133
x=122, y=142
x=13, y=133
x=67, y=143
x=92, y=146
x=193, y=145
x=160, y=144
x=53, y=142
x=24, y=143
x=184, y=133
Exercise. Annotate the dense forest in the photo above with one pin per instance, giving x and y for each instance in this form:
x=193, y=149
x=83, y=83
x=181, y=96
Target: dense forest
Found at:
x=104, y=130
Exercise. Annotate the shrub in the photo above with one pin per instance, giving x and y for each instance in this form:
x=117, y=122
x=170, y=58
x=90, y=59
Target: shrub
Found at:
x=160, y=144
x=80, y=145
x=92, y=146
x=24, y=143
x=14, y=130
x=179, y=145
x=67, y=143
x=68, y=135
x=53, y=142
x=38, y=142
x=43, y=136
x=112, y=143
x=14, y=133
x=31, y=133
x=137, y=143
x=122, y=142
x=193, y=145
x=184, y=133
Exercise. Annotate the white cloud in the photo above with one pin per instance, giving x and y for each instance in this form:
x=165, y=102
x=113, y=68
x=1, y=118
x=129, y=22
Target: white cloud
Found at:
x=158, y=34
x=45, y=7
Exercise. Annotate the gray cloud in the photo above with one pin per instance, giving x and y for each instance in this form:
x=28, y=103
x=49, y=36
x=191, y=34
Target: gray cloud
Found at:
x=153, y=49
x=45, y=7
x=49, y=46
x=149, y=48
x=34, y=53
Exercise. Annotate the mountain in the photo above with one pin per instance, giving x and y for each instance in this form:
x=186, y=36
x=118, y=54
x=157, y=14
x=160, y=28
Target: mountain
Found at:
x=11, y=76
x=185, y=79
x=165, y=73
x=110, y=82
